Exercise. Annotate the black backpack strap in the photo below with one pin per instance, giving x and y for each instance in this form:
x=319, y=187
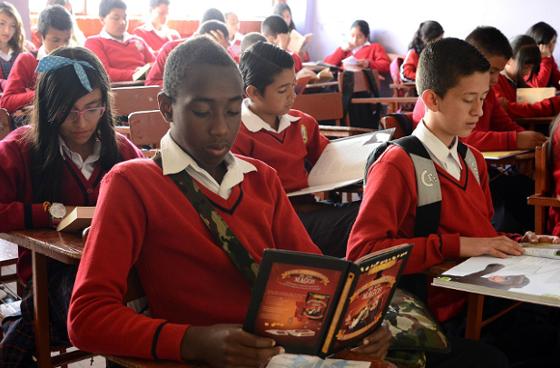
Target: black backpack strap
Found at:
x=469, y=158
x=347, y=89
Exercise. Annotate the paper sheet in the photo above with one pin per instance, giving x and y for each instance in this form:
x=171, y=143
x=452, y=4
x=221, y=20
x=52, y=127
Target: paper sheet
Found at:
x=532, y=95
x=308, y=361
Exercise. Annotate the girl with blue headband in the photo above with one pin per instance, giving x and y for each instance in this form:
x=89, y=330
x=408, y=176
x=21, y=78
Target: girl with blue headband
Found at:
x=52, y=164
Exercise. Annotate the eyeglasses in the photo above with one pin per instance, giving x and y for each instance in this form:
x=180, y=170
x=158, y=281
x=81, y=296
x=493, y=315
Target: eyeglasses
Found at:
x=89, y=114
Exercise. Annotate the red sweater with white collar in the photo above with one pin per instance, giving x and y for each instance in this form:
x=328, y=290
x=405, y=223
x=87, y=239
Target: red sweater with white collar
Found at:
x=494, y=131
x=548, y=75
x=291, y=152
x=120, y=59
x=17, y=208
x=374, y=53
x=506, y=89
x=188, y=279
x=388, y=210
x=153, y=38
x=409, y=65
x=20, y=86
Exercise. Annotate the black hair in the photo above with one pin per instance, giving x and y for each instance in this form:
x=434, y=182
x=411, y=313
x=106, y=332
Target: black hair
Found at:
x=279, y=9
x=542, y=33
x=274, y=25
x=16, y=42
x=56, y=93
x=213, y=25
x=260, y=63
x=57, y=2
x=525, y=52
x=105, y=6
x=490, y=41
x=363, y=26
x=196, y=51
x=54, y=16
x=250, y=39
x=427, y=31
x=213, y=14
x=156, y=3
x=443, y=62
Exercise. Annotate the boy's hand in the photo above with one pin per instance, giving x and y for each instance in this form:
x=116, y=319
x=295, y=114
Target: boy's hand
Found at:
x=219, y=37
x=227, y=346
x=531, y=237
x=499, y=246
x=348, y=46
x=377, y=344
x=529, y=139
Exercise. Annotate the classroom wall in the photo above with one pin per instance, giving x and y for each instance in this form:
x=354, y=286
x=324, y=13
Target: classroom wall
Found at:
x=22, y=7
x=393, y=23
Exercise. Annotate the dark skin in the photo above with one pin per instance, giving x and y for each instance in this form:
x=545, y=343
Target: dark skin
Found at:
x=205, y=118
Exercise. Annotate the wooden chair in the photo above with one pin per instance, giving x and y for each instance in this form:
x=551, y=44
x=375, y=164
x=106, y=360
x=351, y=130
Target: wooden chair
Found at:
x=544, y=196
x=8, y=257
x=131, y=99
x=5, y=120
x=322, y=106
x=147, y=128
x=392, y=121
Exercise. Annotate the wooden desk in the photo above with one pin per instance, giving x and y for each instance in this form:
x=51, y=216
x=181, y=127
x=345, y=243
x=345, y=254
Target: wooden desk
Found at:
x=334, y=131
x=535, y=123
x=127, y=84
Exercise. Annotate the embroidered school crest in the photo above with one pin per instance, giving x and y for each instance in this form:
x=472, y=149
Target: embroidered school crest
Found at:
x=304, y=135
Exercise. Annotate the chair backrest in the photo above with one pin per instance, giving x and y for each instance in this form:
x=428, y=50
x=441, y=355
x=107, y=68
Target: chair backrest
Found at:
x=401, y=122
x=322, y=106
x=543, y=169
x=131, y=99
x=395, y=69
x=4, y=123
x=147, y=128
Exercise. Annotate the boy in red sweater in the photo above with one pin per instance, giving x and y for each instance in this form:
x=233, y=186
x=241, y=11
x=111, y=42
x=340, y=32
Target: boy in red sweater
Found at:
x=121, y=53
x=276, y=31
x=162, y=236
x=453, y=79
x=55, y=28
x=545, y=36
x=156, y=32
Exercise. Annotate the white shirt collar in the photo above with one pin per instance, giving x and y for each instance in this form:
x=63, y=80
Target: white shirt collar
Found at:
x=356, y=49
x=6, y=56
x=175, y=160
x=105, y=34
x=86, y=166
x=254, y=123
x=41, y=53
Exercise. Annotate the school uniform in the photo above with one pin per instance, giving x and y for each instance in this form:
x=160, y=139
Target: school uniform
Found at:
x=409, y=65
x=506, y=88
x=374, y=53
x=174, y=245
x=494, y=131
x=120, y=58
x=554, y=213
x=155, y=75
x=298, y=64
x=156, y=38
x=7, y=61
x=234, y=48
x=548, y=75
x=20, y=86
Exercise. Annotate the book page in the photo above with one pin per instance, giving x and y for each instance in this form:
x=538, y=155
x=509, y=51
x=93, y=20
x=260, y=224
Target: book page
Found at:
x=532, y=95
x=141, y=72
x=310, y=361
x=343, y=162
x=500, y=155
x=297, y=41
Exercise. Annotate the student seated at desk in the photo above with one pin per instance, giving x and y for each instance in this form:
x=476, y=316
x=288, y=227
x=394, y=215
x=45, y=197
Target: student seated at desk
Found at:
x=188, y=276
x=12, y=45
x=453, y=80
x=428, y=31
x=52, y=164
x=235, y=37
x=522, y=66
x=121, y=53
x=155, y=31
x=358, y=51
x=289, y=141
x=55, y=27
x=545, y=36
x=276, y=31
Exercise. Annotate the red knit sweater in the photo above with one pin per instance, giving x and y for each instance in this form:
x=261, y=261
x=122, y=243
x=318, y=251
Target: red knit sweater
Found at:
x=408, y=68
x=506, y=89
x=548, y=75
x=155, y=75
x=291, y=152
x=387, y=218
x=554, y=213
x=188, y=279
x=120, y=59
x=16, y=192
x=154, y=39
x=374, y=53
x=494, y=131
x=20, y=86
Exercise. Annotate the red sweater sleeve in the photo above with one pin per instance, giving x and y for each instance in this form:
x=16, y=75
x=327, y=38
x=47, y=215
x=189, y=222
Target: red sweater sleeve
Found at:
x=337, y=56
x=378, y=58
x=389, y=200
x=408, y=67
x=95, y=44
x=546, y=107
x=155, y=75
x=317, y=142
x=20, y=87
x=548, y=75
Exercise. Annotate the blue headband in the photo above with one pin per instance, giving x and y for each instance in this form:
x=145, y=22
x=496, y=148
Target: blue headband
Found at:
x=53, y=62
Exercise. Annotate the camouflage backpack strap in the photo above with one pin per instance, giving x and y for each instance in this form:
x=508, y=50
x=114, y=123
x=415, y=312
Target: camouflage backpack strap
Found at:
x=222, y=234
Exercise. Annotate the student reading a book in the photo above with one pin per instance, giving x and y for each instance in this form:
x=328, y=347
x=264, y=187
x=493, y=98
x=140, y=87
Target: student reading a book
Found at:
x=235, y=37
x=358, y=51
x=194, y=193
x=285, y=12
x=11, y=42
x=289, y=141
x=121, y=53
x=55, y=27
x=453, y=80
x=213, y=28
x=545, y=36
x=77, y=38
x=276, y=31
x=155, y=31
x=52, y=164
x=522, y=66
x=428, y=31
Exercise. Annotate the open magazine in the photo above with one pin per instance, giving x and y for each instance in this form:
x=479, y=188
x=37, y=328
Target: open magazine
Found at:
x=343, y=162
